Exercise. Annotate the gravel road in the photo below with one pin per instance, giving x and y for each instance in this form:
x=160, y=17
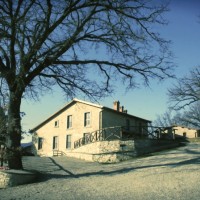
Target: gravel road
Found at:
x=172, y=174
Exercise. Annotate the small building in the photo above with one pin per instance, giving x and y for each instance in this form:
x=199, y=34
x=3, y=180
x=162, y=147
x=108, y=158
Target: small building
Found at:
x=81, y=122
x=178, y=131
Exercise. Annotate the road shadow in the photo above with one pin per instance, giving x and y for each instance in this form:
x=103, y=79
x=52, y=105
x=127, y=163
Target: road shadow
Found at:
x=111, y=172
x=188, y=151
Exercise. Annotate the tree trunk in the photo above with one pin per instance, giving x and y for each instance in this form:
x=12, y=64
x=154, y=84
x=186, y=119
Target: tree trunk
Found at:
x=14, y=131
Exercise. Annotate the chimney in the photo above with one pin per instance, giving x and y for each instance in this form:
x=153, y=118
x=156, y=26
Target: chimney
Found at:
x=121, y=109
x=116, y=105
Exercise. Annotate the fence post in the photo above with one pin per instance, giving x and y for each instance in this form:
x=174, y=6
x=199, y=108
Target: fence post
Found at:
x=173, y=133
x=120, y=132
x=96, y=136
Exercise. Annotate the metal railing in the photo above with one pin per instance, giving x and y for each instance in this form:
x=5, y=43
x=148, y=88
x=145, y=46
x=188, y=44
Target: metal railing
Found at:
x=125, y=133
x=99, y=135
x=58, y=153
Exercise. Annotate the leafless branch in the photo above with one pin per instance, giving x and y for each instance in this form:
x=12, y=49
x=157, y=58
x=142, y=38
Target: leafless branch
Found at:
x=187, y=90
x=44, y=35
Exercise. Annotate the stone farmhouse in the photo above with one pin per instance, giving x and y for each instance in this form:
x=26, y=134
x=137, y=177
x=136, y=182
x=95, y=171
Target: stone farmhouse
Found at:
x=79, y=124
x=183, y=131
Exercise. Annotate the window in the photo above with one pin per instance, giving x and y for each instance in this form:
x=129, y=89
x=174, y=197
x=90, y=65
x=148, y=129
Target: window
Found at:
x=127, y=124
x=87, y=119
x=140, y=128
x=198, y=133
x=68, y=142
x=69, y=121
x=56, y=123
x=55, y=142
x=40, y=141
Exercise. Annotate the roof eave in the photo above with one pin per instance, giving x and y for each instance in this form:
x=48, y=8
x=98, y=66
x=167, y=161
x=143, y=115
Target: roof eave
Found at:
x=126, y=114
x=60, y=111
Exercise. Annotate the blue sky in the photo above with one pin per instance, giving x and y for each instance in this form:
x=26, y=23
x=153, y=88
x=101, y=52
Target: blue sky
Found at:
x=184, y=32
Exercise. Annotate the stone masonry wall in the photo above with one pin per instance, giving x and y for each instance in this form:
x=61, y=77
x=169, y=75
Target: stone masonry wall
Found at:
x=10, y=178
x=117, y=150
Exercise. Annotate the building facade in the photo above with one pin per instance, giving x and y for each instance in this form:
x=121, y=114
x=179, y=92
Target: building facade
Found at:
x=178, y=131
x=79, y=119
x=186, y=132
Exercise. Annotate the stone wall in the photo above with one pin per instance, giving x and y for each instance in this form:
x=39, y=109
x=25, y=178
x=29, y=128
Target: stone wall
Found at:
x=10, y=178
x=194, y=140
x=117, y=150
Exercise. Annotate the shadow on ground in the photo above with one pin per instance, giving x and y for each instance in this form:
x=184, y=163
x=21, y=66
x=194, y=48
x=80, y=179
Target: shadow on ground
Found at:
x=60, y=172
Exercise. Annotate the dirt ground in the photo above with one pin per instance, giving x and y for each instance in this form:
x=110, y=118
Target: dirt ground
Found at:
x=172, y=174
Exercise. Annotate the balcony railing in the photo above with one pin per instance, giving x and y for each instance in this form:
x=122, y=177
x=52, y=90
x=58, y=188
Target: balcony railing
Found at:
x=124, y=133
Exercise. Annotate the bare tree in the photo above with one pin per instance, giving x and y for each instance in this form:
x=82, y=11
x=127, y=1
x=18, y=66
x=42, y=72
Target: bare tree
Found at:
x=191, y=117
x=2, y=125
x=168, y=119
x=187, y=90
x=47, y=42
x=163, y=120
